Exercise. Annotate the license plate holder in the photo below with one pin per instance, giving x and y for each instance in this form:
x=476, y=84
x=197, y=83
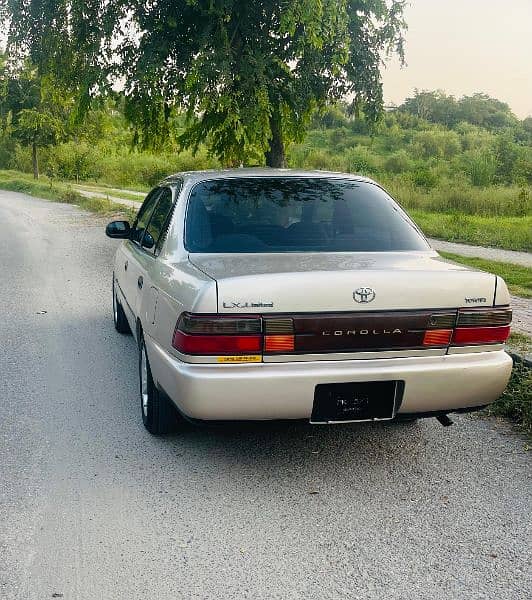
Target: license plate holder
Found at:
x=355, y=402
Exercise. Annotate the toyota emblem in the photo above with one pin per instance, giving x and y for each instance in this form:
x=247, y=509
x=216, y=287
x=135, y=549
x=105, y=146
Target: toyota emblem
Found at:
x=364, y=294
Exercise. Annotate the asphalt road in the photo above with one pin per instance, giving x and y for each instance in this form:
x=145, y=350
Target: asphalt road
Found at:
x=92, y=507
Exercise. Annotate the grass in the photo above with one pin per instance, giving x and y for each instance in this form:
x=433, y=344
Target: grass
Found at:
x=520, y=343
x=109, y=191
x=518, y=278
x=510, y=233
x=516, y=401
x=59, y=192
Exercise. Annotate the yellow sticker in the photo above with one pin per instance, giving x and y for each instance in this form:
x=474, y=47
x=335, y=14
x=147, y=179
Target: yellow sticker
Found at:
x=239, y=359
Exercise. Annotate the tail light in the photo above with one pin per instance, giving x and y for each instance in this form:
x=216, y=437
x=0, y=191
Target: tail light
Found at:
x=246, y=338
x=218, y=335
x=470, y=336
x=482, y=326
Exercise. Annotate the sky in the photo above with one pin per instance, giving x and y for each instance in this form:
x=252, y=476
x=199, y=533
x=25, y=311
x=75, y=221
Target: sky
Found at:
x=466, y=46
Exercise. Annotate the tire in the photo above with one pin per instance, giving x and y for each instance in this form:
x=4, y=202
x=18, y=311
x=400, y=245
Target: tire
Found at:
x=119, y=316
x=158, y=413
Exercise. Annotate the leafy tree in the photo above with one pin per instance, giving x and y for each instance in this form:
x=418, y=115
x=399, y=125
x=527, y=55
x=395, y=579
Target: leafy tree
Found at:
x=478, y=109
x=435, y=106
x=37, y=128
x=30, y=107
x=481, y=109
x=248, y=74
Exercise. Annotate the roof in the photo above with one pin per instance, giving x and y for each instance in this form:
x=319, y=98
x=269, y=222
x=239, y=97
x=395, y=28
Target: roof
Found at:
x=260, y=172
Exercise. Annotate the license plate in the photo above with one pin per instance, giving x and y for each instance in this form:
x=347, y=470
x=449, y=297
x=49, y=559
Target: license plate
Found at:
x=351, y=402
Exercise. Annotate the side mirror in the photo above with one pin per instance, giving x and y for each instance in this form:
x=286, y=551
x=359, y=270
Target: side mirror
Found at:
x=118, y=229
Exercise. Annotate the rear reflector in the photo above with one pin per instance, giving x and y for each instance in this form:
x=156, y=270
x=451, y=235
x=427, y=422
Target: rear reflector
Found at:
x=465, y=336
x=437, y=337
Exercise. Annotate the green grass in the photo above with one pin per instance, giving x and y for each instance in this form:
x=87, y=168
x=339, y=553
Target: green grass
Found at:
x=520, y=343
x=516, y=401
x=518, y=278
x=108, y=191
x=59, y=192
x=511, y=233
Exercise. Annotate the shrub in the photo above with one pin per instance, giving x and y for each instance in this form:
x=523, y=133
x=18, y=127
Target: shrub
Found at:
x=436, y=144
x=21, y=159
x=73, y=160
x=398, y=162
x=480, y=166
x=360, y=159
x=425, y=178
x=516, y=402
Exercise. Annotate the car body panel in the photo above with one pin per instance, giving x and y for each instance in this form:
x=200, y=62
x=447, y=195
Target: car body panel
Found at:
x=301, y=285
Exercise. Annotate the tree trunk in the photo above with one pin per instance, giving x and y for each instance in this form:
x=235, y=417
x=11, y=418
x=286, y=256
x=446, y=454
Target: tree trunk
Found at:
x=275, y=156
x=35, y=160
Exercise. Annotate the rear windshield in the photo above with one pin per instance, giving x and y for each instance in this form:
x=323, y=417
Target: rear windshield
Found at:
x=274, y=214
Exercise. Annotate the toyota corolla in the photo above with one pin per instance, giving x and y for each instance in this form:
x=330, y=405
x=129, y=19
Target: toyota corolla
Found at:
x=259, y=294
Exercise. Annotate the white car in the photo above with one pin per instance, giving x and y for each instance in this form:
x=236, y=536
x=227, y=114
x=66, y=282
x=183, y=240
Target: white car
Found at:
x=276, y=294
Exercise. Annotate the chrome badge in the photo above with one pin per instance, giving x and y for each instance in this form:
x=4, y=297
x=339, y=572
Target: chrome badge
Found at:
x=364, y=295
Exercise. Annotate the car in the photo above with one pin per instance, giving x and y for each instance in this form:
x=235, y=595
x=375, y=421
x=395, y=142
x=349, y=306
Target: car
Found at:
x=262, y=294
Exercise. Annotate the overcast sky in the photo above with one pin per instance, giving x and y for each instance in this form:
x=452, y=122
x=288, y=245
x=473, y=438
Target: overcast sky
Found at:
x=467, y=46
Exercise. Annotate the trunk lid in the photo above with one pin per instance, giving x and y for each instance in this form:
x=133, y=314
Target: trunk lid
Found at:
x=342, y=282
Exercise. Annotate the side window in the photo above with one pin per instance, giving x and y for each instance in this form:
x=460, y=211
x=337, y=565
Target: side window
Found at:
x=159, y=221
x=144, y=215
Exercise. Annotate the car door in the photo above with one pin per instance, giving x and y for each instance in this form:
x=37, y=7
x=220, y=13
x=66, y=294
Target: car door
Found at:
x=130, y=261
x=151, y=245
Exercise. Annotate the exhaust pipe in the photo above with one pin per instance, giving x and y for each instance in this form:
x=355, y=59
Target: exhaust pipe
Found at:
x=444, y=420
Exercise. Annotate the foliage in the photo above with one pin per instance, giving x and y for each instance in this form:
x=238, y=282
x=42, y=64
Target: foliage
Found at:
x=478, y=109
x=516, y=401
x=33, y=109
x=248, y=74
x=513, y=233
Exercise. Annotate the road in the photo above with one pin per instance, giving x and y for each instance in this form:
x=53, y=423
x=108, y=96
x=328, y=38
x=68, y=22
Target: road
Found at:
x=94, y=508
x=497, y=254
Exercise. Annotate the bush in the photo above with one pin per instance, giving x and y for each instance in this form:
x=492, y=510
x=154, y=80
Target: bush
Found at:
x=480, y=166
x=77, y=161
x=425, y=178
x=360, y=159
x=21, y=159
x=516, y=402
x=398, y=162
x=436, y=144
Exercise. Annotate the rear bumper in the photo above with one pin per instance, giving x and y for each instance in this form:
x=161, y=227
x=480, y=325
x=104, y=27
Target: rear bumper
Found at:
x=259, y=391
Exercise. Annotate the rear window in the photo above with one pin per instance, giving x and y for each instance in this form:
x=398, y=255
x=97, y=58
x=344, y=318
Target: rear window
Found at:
x=275, y=214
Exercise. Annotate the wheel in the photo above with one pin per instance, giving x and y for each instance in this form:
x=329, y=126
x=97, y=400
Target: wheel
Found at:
x=158, y=414
x=119, y=316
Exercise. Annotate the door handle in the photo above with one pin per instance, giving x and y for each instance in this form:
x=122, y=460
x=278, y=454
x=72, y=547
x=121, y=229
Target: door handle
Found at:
x=125, y=266
x=140, y=282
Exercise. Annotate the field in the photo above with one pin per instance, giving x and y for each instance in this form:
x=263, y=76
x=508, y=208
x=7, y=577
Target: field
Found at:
x=464, y=175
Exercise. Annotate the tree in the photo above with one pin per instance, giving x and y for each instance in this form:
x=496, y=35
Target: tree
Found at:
x=248, y=74
x=37, y=129
x=436, y=107
x=30, y=107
